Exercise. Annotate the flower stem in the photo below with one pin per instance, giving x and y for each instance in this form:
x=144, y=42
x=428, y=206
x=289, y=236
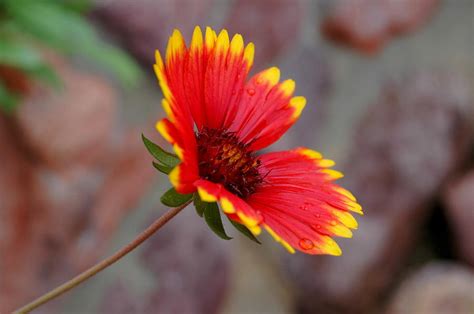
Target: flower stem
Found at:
x=148, y=232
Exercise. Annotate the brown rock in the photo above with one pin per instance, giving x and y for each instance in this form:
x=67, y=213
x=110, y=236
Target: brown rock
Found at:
x=410, y=142
x=437, y=288
x=144, y=26
x=367, y=25
x=16, y=215
x=64, y=185
x=73, y=124
x=459, y=200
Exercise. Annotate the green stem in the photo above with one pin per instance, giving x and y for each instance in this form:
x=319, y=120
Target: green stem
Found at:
x=157, y=224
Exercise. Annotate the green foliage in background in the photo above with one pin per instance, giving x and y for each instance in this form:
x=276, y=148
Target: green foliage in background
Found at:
x=27, y=24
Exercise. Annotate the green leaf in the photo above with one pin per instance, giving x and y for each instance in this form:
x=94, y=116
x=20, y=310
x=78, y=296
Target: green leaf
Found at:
x=19, y=55
x=8, y=100
x=212, y=216
x=244, y=230
x=162, y=168
x=166, y=158
x=62, y=28
x=174, y=199
x=199, y=204
x=47, y=74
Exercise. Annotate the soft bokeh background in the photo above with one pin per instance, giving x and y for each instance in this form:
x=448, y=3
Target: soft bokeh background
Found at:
x=389, y=85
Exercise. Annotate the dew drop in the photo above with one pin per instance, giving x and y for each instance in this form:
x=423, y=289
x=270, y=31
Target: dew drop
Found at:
x=306, y=244
x=251, y=91
x=318, y=215
x=333, y=222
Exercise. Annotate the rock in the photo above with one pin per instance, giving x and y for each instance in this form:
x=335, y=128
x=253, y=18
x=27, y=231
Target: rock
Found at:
x=183, y=285
x=309, y=68
x=16, y=214
x=412, y=139
x=256, y=21
x=188, y=267
x=437, y=288
x=70, y=125
x=144, y=26
x=118, y=299
x=458, y=201
x=14, y=80
x=367, y=25
x=67, y=178
x=128, y=177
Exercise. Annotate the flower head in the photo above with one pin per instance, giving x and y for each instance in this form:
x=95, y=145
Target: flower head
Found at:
x=218, y=118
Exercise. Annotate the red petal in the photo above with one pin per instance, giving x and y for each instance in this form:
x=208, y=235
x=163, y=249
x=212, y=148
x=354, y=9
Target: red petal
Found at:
x=236, y=208
x=300, y=205
x=266, y=109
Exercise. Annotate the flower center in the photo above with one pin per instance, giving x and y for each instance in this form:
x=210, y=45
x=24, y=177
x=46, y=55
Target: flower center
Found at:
x=225, y=160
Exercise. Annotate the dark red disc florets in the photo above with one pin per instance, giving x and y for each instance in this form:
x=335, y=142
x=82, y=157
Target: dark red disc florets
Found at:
x=224, y=159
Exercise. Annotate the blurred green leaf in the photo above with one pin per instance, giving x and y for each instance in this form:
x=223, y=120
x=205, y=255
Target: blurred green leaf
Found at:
x=66, y=30
x=47, y=74
x=199, y=204
x=162, y=168
x=164, y=157
x=213, y=219
x=19, y=55
x=244, y=230
x=174, y=199
x=8, y=100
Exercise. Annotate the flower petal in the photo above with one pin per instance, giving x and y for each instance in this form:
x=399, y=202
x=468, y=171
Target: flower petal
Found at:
x=266, y=109
x=301, y=206
x=233, y=206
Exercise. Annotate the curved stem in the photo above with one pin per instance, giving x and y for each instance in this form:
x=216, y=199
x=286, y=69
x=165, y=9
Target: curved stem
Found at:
x=148, y=232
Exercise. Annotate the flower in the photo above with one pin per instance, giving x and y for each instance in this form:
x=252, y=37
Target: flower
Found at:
x=218, y=119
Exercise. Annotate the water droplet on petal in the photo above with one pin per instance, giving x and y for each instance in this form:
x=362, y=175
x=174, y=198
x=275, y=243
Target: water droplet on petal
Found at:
x=251, y=91
x=306, y=244
x=333, y=222
x=318, y=215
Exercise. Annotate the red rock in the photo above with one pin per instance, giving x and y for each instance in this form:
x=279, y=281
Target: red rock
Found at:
x=459, y=210
x=412, y=139
x=16, y=214
x=70, y=125
x=64, y=185
x=126, y=180
x=144, y=26
x=367, y=25
x=437, y=288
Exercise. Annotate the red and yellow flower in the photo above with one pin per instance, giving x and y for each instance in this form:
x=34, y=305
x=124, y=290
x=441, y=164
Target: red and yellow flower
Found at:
x=218, y=118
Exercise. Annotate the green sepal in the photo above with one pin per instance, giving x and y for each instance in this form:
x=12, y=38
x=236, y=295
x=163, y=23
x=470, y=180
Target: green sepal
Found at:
x=244, y=230
x=162, y=168
x=199, y=204
x=174, y=199
x=168, y=159
x=213, y=219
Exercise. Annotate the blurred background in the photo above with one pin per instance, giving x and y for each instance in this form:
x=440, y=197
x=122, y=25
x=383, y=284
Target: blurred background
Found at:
x=389, y=85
